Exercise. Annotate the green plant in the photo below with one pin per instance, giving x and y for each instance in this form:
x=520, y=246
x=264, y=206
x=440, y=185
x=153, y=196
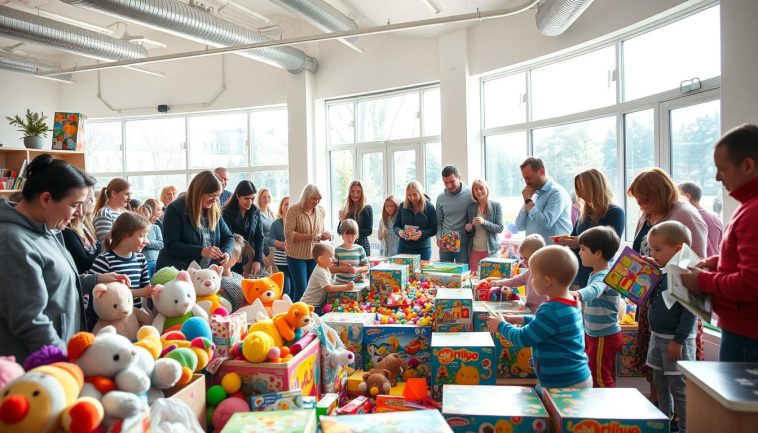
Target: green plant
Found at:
x=33, y=125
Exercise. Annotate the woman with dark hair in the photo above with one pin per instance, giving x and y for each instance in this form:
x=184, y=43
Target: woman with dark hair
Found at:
x=357, y=209
x=40, y=288
x=193, y=229
x=244, y=219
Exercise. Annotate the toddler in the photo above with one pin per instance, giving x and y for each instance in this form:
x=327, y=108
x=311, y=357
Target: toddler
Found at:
x=352, y=262
x=526, y=249
x=320, y=282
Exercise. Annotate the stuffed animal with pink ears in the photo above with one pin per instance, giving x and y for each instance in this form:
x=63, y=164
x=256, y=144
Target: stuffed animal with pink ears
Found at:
x=9, y=370
x=207, y=283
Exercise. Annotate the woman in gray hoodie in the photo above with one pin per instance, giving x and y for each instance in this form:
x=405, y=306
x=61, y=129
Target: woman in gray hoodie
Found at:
x=40, y=291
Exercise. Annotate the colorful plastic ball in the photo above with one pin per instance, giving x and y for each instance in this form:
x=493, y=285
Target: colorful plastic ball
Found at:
x=508, y=235
x=238, y=394
x=196, y=327
x=327, y=308
x=215, y=395
x=209, y=414
x=231, y=382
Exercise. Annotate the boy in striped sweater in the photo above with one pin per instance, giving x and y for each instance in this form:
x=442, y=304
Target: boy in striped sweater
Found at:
x=555, y=332
x=352, y=262
x=603, y=340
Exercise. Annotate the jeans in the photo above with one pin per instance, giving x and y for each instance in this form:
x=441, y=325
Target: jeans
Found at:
x=457, y=257
x=300, y=271
x=736, y=348
x=426, y=253
x=287, y=289
x=151, y=268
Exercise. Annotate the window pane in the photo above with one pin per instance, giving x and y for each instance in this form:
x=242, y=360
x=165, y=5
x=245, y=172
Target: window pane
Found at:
x=694, y=130
x=574, y=85
x=342, y=173
x=144, y=187
x=502, y=156
x=101, y=182
x=432, y=112
x=404, y=170
x=269, y=137
x=570, y=149
x=659, y=60
x=639, y=137
x=275, y=180
x=218, y=141
x=235, y=177
x=104, y=147
x=434, y=185
x=504, y=100
x=373, y=182
x=341, y=123
x=156, y=144
x=389, y=118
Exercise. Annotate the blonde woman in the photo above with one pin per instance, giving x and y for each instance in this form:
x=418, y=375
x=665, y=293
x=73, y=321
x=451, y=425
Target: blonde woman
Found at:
x=193, y=228
x=416, y=222
x=358, y=210
x=112, y=202
x=485, y=223
x=263, y=201
x=152, y=209
x=387, y=236
x=168, y=194
x=278, y=242
x=79, y=236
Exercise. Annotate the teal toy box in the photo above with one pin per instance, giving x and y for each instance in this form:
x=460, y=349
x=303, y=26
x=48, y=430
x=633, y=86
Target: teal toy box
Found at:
x=385, y=277
x=444, y=267
x=411, y=343
x=444, y=279
x=498, y=267
x=453, y=307
x=613, y=410
x=413, y=261
x=358, y=294
x=416, y=421
x=483, y=408
x=279, y=421
x=511, y=362
x=349, y=327
x=461, y=358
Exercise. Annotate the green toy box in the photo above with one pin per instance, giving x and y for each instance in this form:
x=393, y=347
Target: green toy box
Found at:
x=461, y=358
x=497, y=267
x=475, y=409
x=409, y=342
x=417, y=421
x=280, y=421
x=385, y=277
x=358, y=294
x=511, y=362
x=349, y=327
x=453, y=307
x=413, y=261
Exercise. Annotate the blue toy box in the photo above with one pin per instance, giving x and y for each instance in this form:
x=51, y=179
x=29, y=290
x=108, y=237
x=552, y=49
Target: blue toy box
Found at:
x=445, y=267
x=416, y=421
x=411, y=343
x=510, y=362
x=280, y=421
x=453, y=307
x=463, y=358
x=350, y=326
x=385, y=277
x=358, y=294
x=444, y=279
x=474, y=409
x=498, y=267
x=413, y=261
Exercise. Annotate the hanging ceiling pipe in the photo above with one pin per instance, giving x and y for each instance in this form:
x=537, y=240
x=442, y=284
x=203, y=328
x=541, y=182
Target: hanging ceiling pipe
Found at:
x=324, y=16
x=180, y=19
x=29, y=65
x=554, y=17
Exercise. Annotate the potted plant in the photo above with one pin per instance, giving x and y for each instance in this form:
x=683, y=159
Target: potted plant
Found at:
x=33, y=127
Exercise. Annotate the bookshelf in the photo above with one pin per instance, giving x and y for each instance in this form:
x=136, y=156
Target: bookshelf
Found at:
x=13, y=158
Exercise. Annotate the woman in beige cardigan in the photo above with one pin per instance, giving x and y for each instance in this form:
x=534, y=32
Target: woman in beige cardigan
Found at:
x=303, y=228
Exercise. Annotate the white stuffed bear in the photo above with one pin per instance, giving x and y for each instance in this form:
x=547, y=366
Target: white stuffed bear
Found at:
x=114, y=306
x=175, y=302
x=109, y=364
x=207, y=283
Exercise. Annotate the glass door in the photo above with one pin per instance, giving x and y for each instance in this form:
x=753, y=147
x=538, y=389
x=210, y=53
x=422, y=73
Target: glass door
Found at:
x=374, y=179
x=404, y=168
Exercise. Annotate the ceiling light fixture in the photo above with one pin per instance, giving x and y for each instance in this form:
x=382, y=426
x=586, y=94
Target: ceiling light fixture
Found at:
x=246, y=10
x=57, y=17
x=433, y=6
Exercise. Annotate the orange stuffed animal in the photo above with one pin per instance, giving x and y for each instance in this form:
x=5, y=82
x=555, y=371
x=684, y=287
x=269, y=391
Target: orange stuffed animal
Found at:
x=267, y=289
x=298, y=316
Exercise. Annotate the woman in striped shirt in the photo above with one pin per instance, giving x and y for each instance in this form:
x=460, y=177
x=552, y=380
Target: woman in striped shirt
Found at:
x=112, y=202
x=278, y=241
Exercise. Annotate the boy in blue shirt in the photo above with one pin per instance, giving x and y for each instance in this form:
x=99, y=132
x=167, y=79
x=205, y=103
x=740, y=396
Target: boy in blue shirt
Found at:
x=555, y=332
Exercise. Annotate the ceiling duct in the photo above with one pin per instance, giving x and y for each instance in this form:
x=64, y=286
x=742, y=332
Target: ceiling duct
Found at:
x=25, y=26
x=555, y=16
x=179, y=18
x=16, y=63
x=324, y=16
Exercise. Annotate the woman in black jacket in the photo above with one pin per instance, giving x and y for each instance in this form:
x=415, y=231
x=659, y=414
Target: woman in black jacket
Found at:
x=244, y=219
x=416, y=222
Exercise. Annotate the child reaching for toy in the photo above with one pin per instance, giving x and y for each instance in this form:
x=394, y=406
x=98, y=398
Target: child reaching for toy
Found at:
x=597, y=246
x=555, y=333
x=528, y=247
x=352, y=262
x=320, y=282
x=231, y=282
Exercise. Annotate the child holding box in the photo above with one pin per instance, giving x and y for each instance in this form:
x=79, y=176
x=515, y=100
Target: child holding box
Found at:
x=528, y=247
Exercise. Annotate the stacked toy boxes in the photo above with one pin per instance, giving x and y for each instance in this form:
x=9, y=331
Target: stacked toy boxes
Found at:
x=349, y=327
x=453, y=310
x=411, y=343
x=412, y=261
x=511, y=362
x=498, y=267
x=387, y=277
x=358, y=294
x=461, y=358
x=483, y=408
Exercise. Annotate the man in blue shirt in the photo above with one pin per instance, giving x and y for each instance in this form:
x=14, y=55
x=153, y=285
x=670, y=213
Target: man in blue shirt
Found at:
x=223, y=175
x=547, y=205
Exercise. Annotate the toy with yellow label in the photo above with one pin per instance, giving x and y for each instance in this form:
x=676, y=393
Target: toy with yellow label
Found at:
x=386, y=277
x=462, y=359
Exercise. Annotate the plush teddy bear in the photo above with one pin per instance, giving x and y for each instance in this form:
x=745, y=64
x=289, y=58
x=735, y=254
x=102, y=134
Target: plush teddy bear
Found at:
x=175, y=302
x=298, y=316
x=394, y=364
x=114, y=306
x=112, y=375
x=375, y=382
x=267, y=289
x=45, y=399
x=207, y=283
x=268, y=334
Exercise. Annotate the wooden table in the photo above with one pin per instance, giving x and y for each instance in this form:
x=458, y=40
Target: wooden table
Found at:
x=721, y=396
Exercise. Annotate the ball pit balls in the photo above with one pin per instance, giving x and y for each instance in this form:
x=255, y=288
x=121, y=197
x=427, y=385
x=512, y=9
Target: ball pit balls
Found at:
x=231, y=383
x=215, y=395
x=209, y=415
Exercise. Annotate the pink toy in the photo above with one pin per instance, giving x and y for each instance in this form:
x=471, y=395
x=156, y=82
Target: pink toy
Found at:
x=302, y=343
x=9, y=370
x=226, y=409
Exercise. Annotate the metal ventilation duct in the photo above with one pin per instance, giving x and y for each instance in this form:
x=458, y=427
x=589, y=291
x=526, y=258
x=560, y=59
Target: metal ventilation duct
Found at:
x=321, y=14
x=28, y=27
x=555, y=16
x=12, y=62
x=180, y=18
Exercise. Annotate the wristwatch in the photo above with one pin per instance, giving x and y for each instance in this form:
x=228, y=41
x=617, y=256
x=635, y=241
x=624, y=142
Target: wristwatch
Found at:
x=527, y=201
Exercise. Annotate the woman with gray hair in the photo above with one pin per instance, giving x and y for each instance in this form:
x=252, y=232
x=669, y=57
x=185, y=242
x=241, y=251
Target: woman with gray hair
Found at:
x=303, y=228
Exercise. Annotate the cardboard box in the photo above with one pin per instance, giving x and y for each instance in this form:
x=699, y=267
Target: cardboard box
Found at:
x=193, y=394
x=358, y=294
x=453, y=307
x=622, y=410
x=511, y=362
x=226, y=331
x=444, y=279
x=416, y=421
x=384, y=278
x=356, y=406
x=350, y=326
x=280, y=421
x=498, y=267
x=454, y=327
x=513, y=409
x=413, y=261
x=377, y=260
x=462, y=359
x=139, y=423
x=411, y=343
x=328, y=405
x=444, y=267
x=68, y=131
x=625, y=366
x=303, y=371
x=390, y=403
x=285, y=400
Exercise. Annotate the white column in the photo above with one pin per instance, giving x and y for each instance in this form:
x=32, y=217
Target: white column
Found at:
x=739, y=66
x=300, y=127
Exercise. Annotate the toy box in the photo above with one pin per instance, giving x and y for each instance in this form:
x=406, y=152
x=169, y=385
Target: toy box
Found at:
x=498, y=267
x=68, y=131
x=632, y=276
x=454, y=327
x=622, y=410
x=356, y=406
x=280, y=421
x=444, y=279
x=390, y=403
x=384, y=278
x=350, y=326
x=445, y=267
x=416, y=421
x=453, y=307
x=626, y=365
x=377, y=260
x=413, y=261
x=285, y=400
x=303, y=371
x=510, y=362
x=227, y=330
x=328, y=405
x=462, y=359
x=358, y=294
x=193, y=394
x=450, y=241
x=512, y=409
x=411, y=343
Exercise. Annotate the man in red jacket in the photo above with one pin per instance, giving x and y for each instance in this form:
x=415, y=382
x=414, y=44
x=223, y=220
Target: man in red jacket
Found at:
x=731, y=278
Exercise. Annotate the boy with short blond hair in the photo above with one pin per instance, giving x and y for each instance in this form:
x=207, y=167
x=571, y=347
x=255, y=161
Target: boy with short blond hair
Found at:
x=320, y=282
x=529, y=245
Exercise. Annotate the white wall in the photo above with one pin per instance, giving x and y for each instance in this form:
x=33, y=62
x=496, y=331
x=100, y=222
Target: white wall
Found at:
x=19, y=92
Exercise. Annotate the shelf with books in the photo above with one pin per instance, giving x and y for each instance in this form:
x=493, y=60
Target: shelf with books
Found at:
x=12, y=159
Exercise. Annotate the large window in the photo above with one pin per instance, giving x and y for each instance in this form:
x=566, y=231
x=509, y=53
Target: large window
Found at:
x=155, y=152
